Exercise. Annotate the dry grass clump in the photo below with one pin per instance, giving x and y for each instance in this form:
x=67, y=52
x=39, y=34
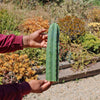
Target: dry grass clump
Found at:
x=93, y=15
x=72, y=26
x=95, y=28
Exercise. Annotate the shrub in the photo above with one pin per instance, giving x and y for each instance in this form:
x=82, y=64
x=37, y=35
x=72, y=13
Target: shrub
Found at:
x=95, y=28
x=15, y=68
x=33, y=24
x=93, y=15
x=91, y=43
x=96, y=2
x=72, y=26
x=30, y=4
x=63, y=46
x=78, y=7
x=81, y=57
x=7, y=21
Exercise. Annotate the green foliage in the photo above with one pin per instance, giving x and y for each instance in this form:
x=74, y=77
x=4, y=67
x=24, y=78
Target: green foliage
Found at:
x=96, y=2
x=1, y=80
x=12, y=32
x=81, y=56
x=8, y=21
x=91, y=43
x=64, y=48
x=36, y=54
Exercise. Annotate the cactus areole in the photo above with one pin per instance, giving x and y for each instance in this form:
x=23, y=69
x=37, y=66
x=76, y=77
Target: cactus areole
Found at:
x=52, y=53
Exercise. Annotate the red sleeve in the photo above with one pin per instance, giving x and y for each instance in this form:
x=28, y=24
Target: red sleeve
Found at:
x=10, y=43
x=14, y=91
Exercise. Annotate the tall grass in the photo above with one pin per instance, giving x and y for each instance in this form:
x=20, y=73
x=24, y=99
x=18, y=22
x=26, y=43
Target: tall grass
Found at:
x=8, y=21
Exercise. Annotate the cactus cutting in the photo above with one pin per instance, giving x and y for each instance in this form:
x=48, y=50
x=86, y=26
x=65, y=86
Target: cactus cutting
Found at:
x=52, y=53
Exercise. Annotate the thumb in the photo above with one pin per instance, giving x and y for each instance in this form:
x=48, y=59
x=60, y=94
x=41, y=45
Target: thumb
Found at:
x=46, y=86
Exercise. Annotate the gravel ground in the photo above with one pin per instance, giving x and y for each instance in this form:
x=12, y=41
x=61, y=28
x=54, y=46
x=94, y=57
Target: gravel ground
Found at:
x=83, y=89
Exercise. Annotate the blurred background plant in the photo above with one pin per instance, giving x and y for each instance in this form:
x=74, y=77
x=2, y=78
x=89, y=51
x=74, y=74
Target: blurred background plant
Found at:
x=8, y=21
x=81, y=57
x=96, y=2
x=93, y=14
x=91, y=43
x=94, y=28
x=72, y=26
x=33, y=24
x=29, y=4
x=36, y=54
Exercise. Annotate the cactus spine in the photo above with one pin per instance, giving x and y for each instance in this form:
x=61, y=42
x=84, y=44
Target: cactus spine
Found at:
x=52, y=53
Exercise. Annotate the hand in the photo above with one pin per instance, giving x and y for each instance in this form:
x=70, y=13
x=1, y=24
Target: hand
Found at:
x=38, y=86
x=36, y=40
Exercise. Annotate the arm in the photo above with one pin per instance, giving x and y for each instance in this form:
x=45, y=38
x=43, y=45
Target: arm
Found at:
x=17, y=91
x=10, y=43
x=14, y=91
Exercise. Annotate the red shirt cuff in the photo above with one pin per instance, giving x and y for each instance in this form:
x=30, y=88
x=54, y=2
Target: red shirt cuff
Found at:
x=19, y=40
x=26, y=89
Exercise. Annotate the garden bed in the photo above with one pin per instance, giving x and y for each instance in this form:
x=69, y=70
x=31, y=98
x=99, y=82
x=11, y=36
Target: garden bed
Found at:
x=65, y=65
x=68, y=74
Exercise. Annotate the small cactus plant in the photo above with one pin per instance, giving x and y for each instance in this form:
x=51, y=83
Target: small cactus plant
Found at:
x=52, y=54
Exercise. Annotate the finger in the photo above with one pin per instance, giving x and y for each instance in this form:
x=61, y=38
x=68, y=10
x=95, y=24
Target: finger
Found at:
x=45, y=81
x=51, y=82
x=41, y=31
x=46, y=86
x=41, y=82
x=44, y=44
x=45, y=36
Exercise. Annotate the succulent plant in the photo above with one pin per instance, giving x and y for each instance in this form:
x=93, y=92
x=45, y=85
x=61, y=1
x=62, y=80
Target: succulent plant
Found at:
x=52, y=53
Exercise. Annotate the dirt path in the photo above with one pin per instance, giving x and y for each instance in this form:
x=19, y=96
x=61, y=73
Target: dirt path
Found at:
x=83, y=89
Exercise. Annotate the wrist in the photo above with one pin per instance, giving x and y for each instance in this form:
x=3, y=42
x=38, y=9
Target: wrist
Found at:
x=30, y=84
x=26, y=41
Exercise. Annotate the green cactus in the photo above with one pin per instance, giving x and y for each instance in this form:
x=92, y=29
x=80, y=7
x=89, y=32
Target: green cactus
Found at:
x=52, y=53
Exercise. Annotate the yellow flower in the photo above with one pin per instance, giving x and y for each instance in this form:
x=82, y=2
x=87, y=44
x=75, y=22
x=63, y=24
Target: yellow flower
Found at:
x=27, y=80
x=38, y=66
x=26, y=60
x=32, y=62
x=19, y=77
x=22, y=69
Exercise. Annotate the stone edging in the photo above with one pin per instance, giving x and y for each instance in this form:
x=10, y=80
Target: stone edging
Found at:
x=68, y=74
x=64, y=65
